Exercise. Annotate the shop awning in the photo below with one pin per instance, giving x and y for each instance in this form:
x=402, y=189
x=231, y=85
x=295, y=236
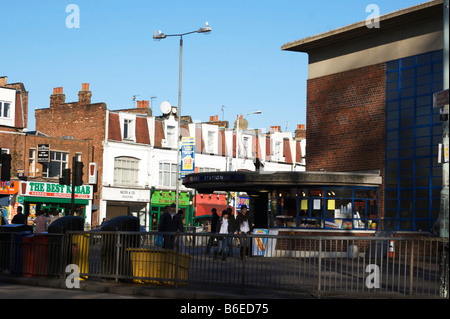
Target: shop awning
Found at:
x=204, y=210
x=55, y=200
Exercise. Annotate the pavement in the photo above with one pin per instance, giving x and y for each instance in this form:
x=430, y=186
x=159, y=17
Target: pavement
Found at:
x=192, y=293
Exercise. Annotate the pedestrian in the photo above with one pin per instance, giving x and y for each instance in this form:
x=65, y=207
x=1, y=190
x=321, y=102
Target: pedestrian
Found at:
x=41, y=222
x=245, y=225
x=214, y=221
x=232, y=221
x=224, y=227
x=170, y=222
x=19, y=218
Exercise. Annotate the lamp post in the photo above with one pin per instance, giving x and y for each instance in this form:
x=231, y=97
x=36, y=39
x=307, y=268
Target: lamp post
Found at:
x=159, y=36
x=237, y=135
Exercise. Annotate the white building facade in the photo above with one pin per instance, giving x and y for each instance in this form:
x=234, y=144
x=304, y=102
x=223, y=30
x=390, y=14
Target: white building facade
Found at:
x=140, y=161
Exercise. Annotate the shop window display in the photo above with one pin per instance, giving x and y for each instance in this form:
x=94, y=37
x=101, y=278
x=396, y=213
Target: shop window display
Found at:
x=343, y=208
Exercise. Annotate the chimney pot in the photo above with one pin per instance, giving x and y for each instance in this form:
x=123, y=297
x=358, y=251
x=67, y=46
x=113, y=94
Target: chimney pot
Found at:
x=57, y=98
x=84, y=96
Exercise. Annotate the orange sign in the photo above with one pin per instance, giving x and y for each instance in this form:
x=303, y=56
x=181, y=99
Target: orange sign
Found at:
x=9, y=187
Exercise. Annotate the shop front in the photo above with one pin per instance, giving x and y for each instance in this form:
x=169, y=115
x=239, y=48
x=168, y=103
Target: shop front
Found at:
x=162, y=198
x=302, y=201
x=117, y=201
x=204, y=203
x=54, y=199
x=8, y=196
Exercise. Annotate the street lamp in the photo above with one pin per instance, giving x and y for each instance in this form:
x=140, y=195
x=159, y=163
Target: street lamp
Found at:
x=237, y=134
x=158, y=36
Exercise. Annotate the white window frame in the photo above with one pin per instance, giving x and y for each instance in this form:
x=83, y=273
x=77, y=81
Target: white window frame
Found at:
x=32, y=162
x=7, y=96
x=277, y=150
x=212, y=142
x=128, y=129
x=171, y=135
x=167, y=174
x=3, y=108
x=126, y=171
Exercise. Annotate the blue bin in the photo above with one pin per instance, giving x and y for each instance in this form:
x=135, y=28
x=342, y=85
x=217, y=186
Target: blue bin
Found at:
x=11, y=247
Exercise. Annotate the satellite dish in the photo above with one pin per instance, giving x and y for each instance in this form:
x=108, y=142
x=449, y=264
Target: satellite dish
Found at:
x=165, y=107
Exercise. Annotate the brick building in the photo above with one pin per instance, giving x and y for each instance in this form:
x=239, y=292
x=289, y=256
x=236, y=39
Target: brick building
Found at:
x=29, y=172
x=80, y=120
x=135, y=153
x=369, y=107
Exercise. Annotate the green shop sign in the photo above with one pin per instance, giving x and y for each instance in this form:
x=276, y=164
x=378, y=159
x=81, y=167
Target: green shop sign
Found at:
x=166, y=198
x=56, y=190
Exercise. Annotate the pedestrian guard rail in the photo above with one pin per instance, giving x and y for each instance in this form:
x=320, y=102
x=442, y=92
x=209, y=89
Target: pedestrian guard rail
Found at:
x=408, y=266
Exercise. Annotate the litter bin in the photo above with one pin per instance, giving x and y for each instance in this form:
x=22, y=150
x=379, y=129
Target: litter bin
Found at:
x=114, y=259
x=11, y=236
x=35, y=255
x=80, y=253
x=60, y=226
x=164, y=265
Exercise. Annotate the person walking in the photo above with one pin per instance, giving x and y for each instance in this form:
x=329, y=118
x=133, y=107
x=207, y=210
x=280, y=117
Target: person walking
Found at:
x=232, y=221
x=214, y=222
x=170, y=222
x=224, y=227
x=245, y=225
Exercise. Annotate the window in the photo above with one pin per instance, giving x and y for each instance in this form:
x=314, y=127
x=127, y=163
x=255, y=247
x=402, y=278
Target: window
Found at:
x=167, y=174
x=340, y=208
x=413, y=129
x=126, y=171
x=171, y=136
x=32, y=162
x=207, y=169
x=245, y=146
x=58, y=162
x=5, y=109
x=211, y=142
x=277, y=151
x=128, y=129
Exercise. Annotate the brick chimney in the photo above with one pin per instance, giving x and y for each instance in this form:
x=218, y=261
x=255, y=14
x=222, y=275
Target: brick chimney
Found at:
x=143, y=104
x=300, y=132
x=57, y=98
x=84, y=96
x=3, y=80
x=275, y=129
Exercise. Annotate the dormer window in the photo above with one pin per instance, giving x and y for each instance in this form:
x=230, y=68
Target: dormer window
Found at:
x=128, y=129
x=212, y=141
x=5, y=109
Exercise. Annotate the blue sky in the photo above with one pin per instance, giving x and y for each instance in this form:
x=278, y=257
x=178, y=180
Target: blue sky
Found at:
x=239, y=65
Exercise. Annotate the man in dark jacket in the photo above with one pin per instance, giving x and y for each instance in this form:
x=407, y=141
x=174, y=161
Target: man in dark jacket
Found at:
x=214, y=221
x=19, y=218
x=170, y=222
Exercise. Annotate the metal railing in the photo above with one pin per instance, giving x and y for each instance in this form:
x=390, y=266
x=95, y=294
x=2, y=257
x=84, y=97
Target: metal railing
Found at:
x=314, y=265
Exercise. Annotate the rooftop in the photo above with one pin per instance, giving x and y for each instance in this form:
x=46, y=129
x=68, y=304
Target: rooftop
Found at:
x=406, y=16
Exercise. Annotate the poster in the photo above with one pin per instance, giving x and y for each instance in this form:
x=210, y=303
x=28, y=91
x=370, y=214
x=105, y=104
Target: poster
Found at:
x=259, y=243
x=187, y=156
